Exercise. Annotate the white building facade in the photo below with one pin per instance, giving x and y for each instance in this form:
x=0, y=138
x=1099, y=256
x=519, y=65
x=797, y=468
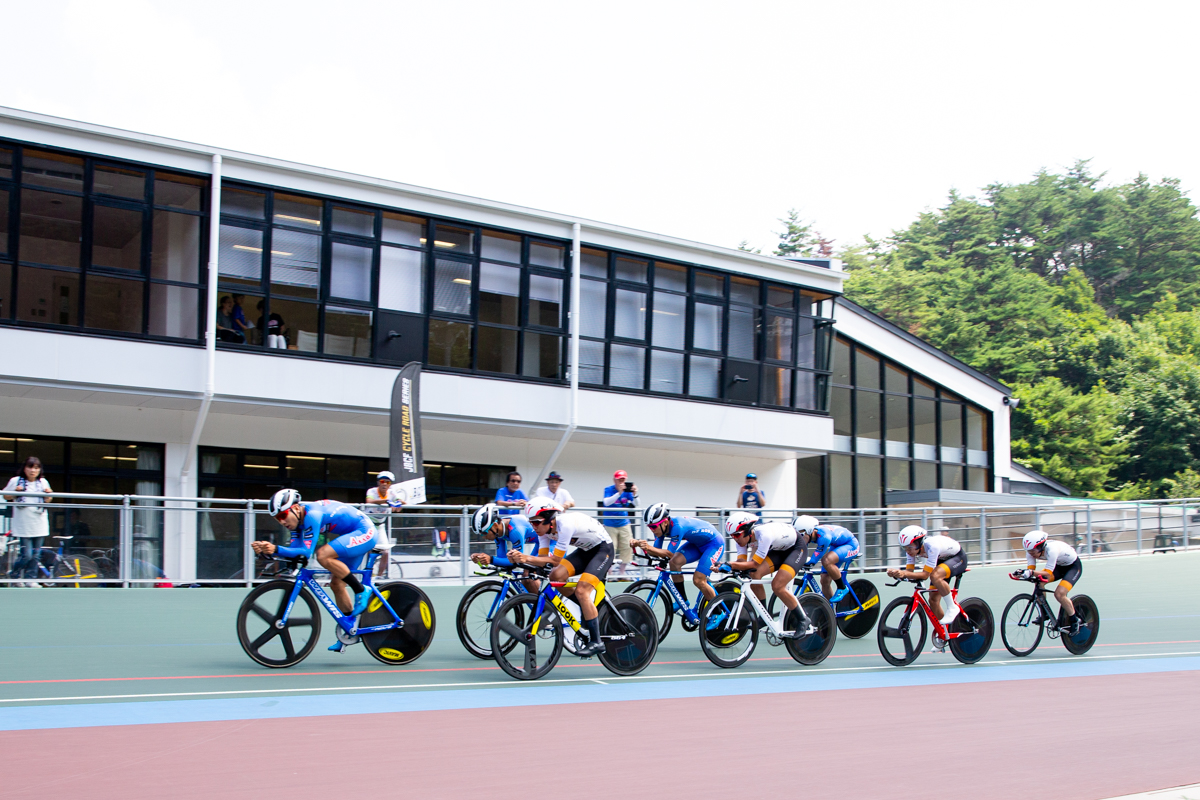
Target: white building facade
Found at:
x=696, y=364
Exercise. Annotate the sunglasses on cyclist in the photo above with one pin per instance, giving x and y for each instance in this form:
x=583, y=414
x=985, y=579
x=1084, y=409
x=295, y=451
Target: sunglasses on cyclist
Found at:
x=283, y=515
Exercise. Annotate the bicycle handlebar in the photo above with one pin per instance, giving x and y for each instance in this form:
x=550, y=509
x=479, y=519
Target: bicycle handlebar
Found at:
x=1036, y=577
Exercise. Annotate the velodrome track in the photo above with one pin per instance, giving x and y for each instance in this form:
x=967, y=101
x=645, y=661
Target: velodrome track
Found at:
x=137, y=693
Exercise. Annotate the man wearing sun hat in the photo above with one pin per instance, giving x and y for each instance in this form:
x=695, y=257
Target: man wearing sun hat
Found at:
x=553, y=490
x=377, y=495
x=622, y=494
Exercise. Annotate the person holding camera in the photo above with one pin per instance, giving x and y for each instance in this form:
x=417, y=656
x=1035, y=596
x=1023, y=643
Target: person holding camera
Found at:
x=622, y=494
x=750, y=497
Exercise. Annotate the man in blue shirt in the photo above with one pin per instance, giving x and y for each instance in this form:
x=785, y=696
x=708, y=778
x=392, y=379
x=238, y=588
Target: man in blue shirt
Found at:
x=622, y=494
x=510, y=497
x=751, y=497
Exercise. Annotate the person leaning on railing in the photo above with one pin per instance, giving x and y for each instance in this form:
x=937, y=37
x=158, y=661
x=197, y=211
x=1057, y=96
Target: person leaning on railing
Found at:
x=30, y=522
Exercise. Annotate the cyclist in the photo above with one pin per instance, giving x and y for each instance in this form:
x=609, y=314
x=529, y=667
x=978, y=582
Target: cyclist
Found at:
x=834, y=547
x=944, y=559
x=509, y=532
x=349, y=533
x=590, y=560
x=1062, y=565
x=777, y=549
x=688, y=539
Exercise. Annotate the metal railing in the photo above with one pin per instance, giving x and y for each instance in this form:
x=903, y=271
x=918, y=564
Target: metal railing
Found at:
x=135, y=540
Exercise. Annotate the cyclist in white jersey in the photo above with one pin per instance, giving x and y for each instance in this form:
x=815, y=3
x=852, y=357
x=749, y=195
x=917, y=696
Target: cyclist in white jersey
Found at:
x=1062, y=565
x=777, y=548
x=943, y=559
x=591, y=559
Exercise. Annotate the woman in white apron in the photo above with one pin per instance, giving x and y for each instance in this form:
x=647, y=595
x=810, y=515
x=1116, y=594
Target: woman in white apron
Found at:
x=30, y=522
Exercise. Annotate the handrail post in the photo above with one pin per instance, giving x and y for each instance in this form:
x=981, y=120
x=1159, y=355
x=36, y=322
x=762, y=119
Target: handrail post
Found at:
x=983, y=542
x=1090, y=547
x=1183, y=510
x=1138, y=507
x=464, y=543
x=247, y=539
x=862, y=529
x=125, y=537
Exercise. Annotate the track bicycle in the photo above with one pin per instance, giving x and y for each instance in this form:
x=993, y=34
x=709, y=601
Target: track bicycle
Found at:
x=729, y=626
x=856, y=612
x=479, y=605
x=396, y=628
x=1027, y=616
x=539, y=625
x=661, y=594
x=52, y=564
x=969, y=637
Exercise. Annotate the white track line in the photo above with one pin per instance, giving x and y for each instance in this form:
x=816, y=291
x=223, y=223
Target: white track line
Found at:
x=543, y=681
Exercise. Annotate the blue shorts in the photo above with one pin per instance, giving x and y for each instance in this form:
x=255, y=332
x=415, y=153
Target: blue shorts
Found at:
x=706, y=558
x=351, y=547
x=846, y=553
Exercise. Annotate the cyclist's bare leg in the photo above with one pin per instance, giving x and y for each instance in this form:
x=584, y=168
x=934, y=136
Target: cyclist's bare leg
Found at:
x=1062, y=595
x=327, y=557
x=763, y=570
x=939, y=579
x=832, y=573
x=585, y=594
x=781, y=584
x=700, y=581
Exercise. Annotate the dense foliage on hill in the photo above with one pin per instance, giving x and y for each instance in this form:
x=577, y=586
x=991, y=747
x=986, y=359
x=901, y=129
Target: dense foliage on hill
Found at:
x=1085, y=298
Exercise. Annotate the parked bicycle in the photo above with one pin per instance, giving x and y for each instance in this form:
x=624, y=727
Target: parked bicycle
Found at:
x=730, y=624
x=969, y=637
x=1027, y=616
x=530, y=631
x=856, y=612
x=396, y=628
x=54, y=564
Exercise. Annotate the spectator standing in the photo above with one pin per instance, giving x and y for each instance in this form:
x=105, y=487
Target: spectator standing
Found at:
x=377, y=495
x=622, y=494
x=225, y=323
x=751, y=497
x=553, y=490
x=30, y=522
x=240, y=323
x=510, y=497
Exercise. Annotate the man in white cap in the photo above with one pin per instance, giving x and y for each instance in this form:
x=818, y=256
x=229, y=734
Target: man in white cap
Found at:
x=377, y=495
x=553, y=490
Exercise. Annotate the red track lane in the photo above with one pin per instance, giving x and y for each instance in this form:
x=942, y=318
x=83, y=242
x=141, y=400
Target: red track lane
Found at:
x=280, y=674
x=1116, y=735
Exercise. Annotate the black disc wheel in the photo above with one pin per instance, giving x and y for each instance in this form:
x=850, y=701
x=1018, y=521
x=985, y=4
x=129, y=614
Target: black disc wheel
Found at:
x=263, y=640
x=860, y=608
x=978, y=625
x=662, y=606
x=1021, y=625
x=1081, y=642
x=812, y=647
x=538, y=642
x=473, y=621
x=630, y=634
x=405, y=644
x=901, y=635
x=727, y=637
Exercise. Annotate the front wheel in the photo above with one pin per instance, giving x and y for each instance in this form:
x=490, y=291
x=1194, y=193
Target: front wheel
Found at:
x=630, y=634
x=405, y=644
x=662, y=606
x=1021, y=625
x=901, y=634
x=473, y=621
x=728, y=638
x=812, y=648
x=1081, y=642
x=538, y=641
x=979, y=627
x=264, y=641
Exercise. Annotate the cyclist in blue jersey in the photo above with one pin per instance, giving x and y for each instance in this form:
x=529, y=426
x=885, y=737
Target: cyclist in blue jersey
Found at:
x=834, y=547
x=349, y=533
x=688, y=539
x=509, y=533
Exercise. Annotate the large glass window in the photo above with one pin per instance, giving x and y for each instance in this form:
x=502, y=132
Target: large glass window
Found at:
x=51, y=228
x=402, y=279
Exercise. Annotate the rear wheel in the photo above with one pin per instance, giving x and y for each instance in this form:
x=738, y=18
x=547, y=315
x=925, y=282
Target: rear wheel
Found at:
x=727, y=641
x=901, y=635
x=399, y=645
x=1021, y=625
x=812, y=648
x=538, y=642
x=861, y=615
x=473, y=621
x=263, y=640
x=632, y=640
x=663, y=612
x=977, y=618
x=1081, y=642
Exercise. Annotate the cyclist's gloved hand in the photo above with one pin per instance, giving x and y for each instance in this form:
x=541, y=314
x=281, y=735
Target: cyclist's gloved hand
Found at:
x=724, y=568
x=1027, y=574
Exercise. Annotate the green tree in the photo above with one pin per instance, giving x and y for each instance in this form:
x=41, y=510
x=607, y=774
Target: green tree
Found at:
x=800, y=239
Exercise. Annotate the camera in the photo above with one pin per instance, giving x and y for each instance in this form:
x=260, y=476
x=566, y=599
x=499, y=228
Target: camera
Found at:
x=629, y=486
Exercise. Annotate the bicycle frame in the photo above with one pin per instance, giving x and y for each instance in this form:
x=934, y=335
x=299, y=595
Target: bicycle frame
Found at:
x=679, y=604
x=919, y=601
x=305, y=577
x=756, y=604
x=507, y=590
x=1049, y=618
x=808, y=583
x=550, y=595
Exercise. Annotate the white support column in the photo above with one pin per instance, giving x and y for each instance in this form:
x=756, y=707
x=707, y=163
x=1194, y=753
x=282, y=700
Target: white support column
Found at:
x=179, y=525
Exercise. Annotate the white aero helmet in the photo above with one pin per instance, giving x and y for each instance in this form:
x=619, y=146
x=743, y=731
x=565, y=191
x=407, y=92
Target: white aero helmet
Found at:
x=739, y=520
x=656, y=513
x=483, y=519
x=911, y=534
x=542, y=508
x=1034, y=539
x=282, y=500
x=805, y=524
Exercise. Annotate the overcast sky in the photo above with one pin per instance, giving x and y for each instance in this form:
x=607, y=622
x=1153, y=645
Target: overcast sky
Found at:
x=696, y=119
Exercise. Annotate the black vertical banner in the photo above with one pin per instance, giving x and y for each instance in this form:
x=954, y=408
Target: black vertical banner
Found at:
x=404, y=454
